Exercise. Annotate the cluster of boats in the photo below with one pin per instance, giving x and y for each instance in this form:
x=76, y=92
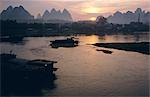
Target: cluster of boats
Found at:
x=17, y=73
x=11, y=63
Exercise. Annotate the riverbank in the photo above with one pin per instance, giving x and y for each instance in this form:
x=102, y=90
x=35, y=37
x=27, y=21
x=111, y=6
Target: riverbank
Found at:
x=141, y=47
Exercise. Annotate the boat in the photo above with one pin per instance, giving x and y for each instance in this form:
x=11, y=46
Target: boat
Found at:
x=105, y=51
x=22, y=77
x=69, y=42
x=23, y=66
x=5, y=56
x=12, y=39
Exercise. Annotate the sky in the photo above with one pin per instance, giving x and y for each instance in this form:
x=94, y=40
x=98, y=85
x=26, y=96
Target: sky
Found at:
x=79, y=9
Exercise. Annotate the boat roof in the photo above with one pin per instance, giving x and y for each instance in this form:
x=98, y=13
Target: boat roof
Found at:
x=41, y=61
x=32, y=62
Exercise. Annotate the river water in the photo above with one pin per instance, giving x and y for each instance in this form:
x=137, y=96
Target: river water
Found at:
x=83, y=71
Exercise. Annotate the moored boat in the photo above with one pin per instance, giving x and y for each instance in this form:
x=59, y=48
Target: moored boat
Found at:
x=69, y=42
x=24, y=66
x=25, y=77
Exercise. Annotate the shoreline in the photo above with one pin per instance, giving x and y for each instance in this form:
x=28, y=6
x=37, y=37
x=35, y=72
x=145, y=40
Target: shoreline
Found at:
x=74, y=34
x=141, y=47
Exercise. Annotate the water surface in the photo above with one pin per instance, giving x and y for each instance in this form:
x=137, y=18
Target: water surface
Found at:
x=83, y=71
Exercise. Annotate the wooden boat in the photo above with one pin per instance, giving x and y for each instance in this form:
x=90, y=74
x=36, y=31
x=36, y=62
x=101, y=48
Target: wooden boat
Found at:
x=69, y=42
x=24, y=66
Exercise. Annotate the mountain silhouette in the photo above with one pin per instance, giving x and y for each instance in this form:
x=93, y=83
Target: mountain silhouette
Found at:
x=57, y=15
x=22, y=15
x=66, y=15
x=46, y=15
x=16, y=13
x=125, y=18
x=39, y=16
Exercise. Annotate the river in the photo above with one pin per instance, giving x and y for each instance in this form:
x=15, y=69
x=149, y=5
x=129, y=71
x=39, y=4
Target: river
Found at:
x=83, y=71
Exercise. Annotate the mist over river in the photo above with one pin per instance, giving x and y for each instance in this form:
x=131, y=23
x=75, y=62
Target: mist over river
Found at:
x=83, y=71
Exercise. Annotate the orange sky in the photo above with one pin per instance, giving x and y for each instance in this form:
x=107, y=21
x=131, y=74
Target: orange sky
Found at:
x=80, y=9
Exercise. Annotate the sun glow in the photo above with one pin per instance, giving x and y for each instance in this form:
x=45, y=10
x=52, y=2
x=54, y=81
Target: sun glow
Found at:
x=93, y=18
x=91, y=10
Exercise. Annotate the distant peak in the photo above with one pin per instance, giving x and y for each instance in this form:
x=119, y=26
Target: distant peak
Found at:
x=46, y=11
x=129, y=12
x=117, y=13
x=39, y=16
x=65, y=10
x=59, y=11
x=9, y=8
x=138, y=10
x=21, y=6
x=53, y=10
x=17, y=13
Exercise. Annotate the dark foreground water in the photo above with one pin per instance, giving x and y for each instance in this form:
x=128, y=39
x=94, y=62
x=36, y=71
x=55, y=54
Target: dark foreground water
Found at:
x=83, y=71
